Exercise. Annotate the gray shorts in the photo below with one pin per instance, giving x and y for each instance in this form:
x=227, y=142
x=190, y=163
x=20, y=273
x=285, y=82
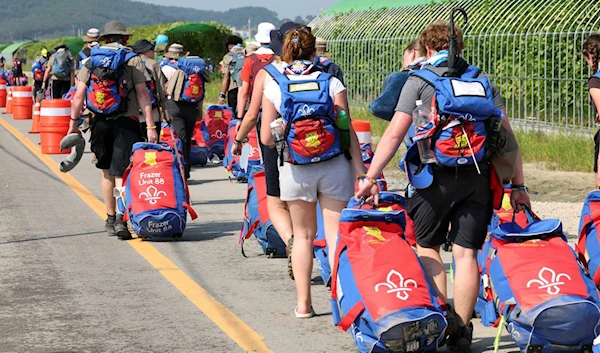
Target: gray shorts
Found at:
x=333, y=179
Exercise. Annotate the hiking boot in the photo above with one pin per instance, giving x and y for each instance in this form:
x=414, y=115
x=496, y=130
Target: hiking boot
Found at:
x=121, y=229
x=290, y=269
x=109, y=226
x=460, y=342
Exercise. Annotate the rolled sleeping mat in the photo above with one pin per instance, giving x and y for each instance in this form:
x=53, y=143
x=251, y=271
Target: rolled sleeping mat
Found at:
x=77, y=144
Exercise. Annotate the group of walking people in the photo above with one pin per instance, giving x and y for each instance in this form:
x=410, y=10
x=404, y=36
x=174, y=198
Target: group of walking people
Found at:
x=268, y=80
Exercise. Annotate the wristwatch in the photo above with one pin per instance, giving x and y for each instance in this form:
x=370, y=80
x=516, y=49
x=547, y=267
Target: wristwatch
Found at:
x=241, y=142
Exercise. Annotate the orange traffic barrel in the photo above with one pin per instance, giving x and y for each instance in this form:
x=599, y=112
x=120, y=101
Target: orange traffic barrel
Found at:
x=35, y=127
x=363, y=130
x=3, y=93
x=9, y=99
x=22, y=102
x=55, y=115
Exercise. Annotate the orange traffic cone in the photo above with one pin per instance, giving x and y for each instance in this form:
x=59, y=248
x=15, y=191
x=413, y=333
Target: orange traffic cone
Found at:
x=9, y=101
x=35, y=127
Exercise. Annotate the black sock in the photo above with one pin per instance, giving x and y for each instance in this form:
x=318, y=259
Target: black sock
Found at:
x=113, y=217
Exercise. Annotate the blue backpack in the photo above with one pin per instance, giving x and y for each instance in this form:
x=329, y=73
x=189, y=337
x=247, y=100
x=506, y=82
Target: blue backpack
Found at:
x=38, y=70
x=380, y=291
x=311, y=128
x=464, y=110
x=256, y=216
x=193, y=87
x=156, y=194
x=106, y=90
x=588, y=244
x=534, y=286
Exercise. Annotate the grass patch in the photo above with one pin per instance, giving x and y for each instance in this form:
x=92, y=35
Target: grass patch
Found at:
x=558, y=151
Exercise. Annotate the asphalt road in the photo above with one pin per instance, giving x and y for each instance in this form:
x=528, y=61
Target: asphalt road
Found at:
x=67, y=287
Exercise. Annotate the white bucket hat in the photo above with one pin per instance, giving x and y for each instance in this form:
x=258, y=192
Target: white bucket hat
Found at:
x=263, y=34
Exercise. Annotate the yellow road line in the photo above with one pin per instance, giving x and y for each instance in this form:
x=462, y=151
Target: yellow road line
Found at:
x=242, y=334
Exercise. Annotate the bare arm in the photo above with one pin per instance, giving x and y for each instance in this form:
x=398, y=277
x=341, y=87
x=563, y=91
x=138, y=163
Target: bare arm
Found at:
x=225, y=82
x=341, y=103
x=143, y=99
x=269, y=114
x=389, y=143
x=77, y=106
x=251, y=116
x=243, y=98
x=595, y=94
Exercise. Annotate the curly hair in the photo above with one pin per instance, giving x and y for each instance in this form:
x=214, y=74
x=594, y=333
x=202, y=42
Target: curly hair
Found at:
x=437, y=37
x=591, y=49
x=298, y=44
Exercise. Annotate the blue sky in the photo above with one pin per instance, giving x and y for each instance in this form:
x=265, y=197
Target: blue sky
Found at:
x=289, y=9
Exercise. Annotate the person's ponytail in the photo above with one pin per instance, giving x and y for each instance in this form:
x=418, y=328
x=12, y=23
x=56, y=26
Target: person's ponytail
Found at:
x=298, y=44
x=591, y=48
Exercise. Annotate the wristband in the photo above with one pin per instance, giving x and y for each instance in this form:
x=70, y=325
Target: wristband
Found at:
x=222, y=95
x=151, y=127
x=365, y=177
x=522, y=188
x=74, y=119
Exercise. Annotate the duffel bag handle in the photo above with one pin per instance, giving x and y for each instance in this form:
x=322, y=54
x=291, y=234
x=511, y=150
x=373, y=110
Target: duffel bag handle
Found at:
x=531, y=217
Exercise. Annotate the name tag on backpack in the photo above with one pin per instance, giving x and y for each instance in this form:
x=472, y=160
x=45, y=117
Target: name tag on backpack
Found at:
x=303, y=87
x=472, y=89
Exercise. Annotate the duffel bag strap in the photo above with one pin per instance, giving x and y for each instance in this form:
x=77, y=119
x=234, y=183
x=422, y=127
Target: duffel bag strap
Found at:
x=346, y=321
x=192, y=212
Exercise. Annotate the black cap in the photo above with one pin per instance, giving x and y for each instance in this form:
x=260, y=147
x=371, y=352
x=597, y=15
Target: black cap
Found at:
x=277, y=36
x=142, y=46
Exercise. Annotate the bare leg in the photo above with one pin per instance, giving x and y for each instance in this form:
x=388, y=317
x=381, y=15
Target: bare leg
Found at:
x=466, y=282
x=280, y=216
x=304, y=220
x=331, y=217
x=434, y=266
x=108, y=183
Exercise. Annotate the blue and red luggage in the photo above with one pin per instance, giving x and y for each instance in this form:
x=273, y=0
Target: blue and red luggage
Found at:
x=535, y=286
x=588, y=244
x=215, y=126
x=234, y=164
x=256, y=216
x=199, y=153
x=379, y=289
x=156, y=194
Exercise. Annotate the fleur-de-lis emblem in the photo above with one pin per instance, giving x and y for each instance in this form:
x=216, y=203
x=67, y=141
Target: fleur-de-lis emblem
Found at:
x=400, y=286
x=252, y=151
x=196, y=69
x=218, y=134
x=550, y=282
x=152, y=195
x=105, y=62
x=306, y=110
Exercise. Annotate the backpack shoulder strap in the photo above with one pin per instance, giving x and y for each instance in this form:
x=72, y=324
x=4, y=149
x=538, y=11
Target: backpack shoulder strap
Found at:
x=82, y=55
x=471, y=72
x=277, y=76
x=130, y=55
x=426, y=75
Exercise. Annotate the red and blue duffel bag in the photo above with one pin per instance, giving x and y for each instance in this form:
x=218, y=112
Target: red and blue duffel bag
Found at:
x=538, y=289
x=380, y=291
x=215, y=126
x=156, y=194
x=199, y=153
x=234, y=164
x=588, y=245
x=256, y=216
x=387, y=201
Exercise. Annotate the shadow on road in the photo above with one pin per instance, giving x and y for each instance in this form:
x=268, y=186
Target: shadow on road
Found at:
x=209, y=231
x=50, y=237
x=219, y=202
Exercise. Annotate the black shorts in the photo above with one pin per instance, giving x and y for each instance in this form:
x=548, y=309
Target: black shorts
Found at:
x=59, y=88
x=459, y=199
x=111, y=141
x=271, y=171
